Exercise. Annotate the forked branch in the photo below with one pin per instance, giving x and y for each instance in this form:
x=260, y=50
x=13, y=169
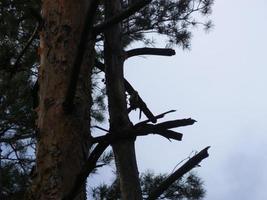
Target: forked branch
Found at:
x=146, y=129
x=156, y=117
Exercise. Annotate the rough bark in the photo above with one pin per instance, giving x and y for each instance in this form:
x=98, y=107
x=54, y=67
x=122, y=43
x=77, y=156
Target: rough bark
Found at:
x=124, y=150
x=63, y=139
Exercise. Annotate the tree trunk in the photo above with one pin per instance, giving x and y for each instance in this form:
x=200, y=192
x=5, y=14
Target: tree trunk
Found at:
x=124, y=150
x=63, y=139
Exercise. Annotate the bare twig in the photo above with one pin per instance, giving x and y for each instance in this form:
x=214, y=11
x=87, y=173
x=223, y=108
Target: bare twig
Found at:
x=18, y=158
x=157, y=117
x=189, y=165
x=100, y=128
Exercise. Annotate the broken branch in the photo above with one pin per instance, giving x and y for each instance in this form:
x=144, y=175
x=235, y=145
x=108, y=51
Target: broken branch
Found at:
x=175, y=123
x=189, y=165
x=169, y=134
x=146, y=129
x=89, y=166
x=150, y=51
x=129, y=88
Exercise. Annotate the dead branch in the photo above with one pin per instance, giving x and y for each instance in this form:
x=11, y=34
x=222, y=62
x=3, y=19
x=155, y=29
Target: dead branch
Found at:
x=75, y=69
x=169, y=134
x=189, y=165
x=175, y=123
x=89, y=166
x=150, y=51
x=129, y=88
x=157, y=117
x=146, y=129
x=141, y=127
x=141, y=104
x=162, y=128
x=121, y=16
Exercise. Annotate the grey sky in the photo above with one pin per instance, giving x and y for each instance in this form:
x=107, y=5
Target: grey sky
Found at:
x=222, y=84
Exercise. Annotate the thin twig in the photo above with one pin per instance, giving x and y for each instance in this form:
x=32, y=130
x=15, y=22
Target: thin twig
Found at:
x=146, y=129
x=157, y=117
x=100, y=128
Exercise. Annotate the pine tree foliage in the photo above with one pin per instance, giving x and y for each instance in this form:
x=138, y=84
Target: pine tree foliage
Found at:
x=18, y=92
x=17, y=118
x=14, y=182
x=189, y=187
x=171, y=18
x=19, y=21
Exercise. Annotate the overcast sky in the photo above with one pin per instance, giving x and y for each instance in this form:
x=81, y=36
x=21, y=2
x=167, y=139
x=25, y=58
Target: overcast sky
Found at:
x=221, y=82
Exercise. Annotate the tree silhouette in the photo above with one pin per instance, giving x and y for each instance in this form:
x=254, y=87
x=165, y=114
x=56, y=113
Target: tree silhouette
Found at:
x=69, y=34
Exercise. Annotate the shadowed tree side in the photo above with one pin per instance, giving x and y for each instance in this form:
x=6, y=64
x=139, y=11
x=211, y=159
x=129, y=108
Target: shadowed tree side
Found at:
x=63, y=138
x=58, y=77
x=124, y=151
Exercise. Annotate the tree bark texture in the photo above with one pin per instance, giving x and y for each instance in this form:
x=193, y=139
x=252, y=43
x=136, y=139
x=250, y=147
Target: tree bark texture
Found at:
x=124, y=150
x=63, y=139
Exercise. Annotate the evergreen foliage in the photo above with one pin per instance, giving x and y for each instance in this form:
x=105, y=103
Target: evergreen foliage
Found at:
x=189, y=187
x=18, y=74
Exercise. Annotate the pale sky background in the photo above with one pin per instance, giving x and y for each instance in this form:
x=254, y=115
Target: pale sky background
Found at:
x=221, y=82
